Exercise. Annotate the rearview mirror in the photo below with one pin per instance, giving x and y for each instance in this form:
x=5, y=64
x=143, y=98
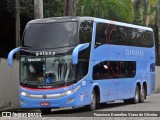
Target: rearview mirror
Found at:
x=10, y=56
x=76, y=50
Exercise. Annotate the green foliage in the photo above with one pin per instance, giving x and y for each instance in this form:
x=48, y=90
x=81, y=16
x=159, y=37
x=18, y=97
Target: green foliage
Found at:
x=53, y=8
x=138, y=19
x=121, y=10
x=27, y=9
x=148, y=6
x=143, y=8
x=7, y=21
x=50, y=7
x=138, y=12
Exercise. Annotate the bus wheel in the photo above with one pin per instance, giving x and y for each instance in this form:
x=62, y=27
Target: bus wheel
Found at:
x=135, y=100
x=45, y=110
x=142, y=94
x=94, y=102
x=128, y=101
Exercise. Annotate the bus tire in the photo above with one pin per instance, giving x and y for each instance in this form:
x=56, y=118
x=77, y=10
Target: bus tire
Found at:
x=94, y=102
x=135, y=100
x=45, y=110
x=142, y=94
x=102, y=104
x=128, y=101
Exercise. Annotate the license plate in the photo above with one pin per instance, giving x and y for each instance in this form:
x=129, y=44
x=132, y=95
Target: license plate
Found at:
x=45, y=103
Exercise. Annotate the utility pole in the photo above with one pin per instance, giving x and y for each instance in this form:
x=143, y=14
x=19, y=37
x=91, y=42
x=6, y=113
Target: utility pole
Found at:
x=65, y=7
x=17, y=24
x=156, y=31
x=17, y=7
x=38, y=9
x=70, y=7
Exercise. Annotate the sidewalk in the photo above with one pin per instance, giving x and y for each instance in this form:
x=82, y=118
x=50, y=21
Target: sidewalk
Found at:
x=19, y=110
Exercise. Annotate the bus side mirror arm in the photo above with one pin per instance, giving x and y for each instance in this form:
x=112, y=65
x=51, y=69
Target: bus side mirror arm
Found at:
x=10, y=56
x=76, y=50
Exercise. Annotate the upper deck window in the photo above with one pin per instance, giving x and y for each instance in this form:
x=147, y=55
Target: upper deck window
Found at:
x=121, y=35
x=50, y=35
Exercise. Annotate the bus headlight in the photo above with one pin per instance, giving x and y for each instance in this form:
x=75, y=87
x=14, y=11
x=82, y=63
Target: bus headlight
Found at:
x=70, y=91
x=24, y=94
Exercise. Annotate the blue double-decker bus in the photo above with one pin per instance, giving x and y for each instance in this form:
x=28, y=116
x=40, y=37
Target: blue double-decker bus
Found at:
x=84, y=61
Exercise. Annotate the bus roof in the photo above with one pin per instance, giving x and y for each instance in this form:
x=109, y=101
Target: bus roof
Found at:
x=61, y=19
x=122, y=24
x=79, y=18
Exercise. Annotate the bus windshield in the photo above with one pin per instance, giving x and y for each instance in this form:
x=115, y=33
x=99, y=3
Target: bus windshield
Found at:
x=53, y=71
x=41, y=35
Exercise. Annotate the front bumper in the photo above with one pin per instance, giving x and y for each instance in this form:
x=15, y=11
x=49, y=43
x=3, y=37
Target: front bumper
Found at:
x=52, y=98
x=67, y=101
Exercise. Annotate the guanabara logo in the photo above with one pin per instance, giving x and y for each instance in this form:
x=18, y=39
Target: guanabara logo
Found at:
x=43, y=53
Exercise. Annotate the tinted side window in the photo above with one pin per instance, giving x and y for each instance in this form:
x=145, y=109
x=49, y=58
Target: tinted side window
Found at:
x=114, y=70
x=83, y=63
x=85, y=31
x=141, y=38
x=85, y=36
x=101, y=33
x=149, y=39
x=121, y=35
x=112, y=34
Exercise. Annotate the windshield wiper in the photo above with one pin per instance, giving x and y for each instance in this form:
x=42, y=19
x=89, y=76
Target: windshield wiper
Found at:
x=63, y=83
x=24, y=80
x=69, y=82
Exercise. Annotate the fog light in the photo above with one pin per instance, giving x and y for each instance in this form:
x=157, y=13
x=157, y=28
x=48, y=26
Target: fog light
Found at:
x=70, y=100
x=23, y=102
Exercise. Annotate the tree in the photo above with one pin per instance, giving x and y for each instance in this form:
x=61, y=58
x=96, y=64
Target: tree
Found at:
x=156, y=31
x=70, y=8
x=53, y=8
x=138, y=12
x=7, y=21
x=121, y=10
x=148, y=17
x=7, y=29
x=149, y=11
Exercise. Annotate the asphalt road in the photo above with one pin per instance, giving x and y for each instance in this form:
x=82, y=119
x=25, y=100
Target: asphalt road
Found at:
x=151, y=104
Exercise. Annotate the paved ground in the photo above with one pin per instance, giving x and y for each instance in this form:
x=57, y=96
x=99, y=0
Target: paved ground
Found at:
x=158, y=77
x=151, y=104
